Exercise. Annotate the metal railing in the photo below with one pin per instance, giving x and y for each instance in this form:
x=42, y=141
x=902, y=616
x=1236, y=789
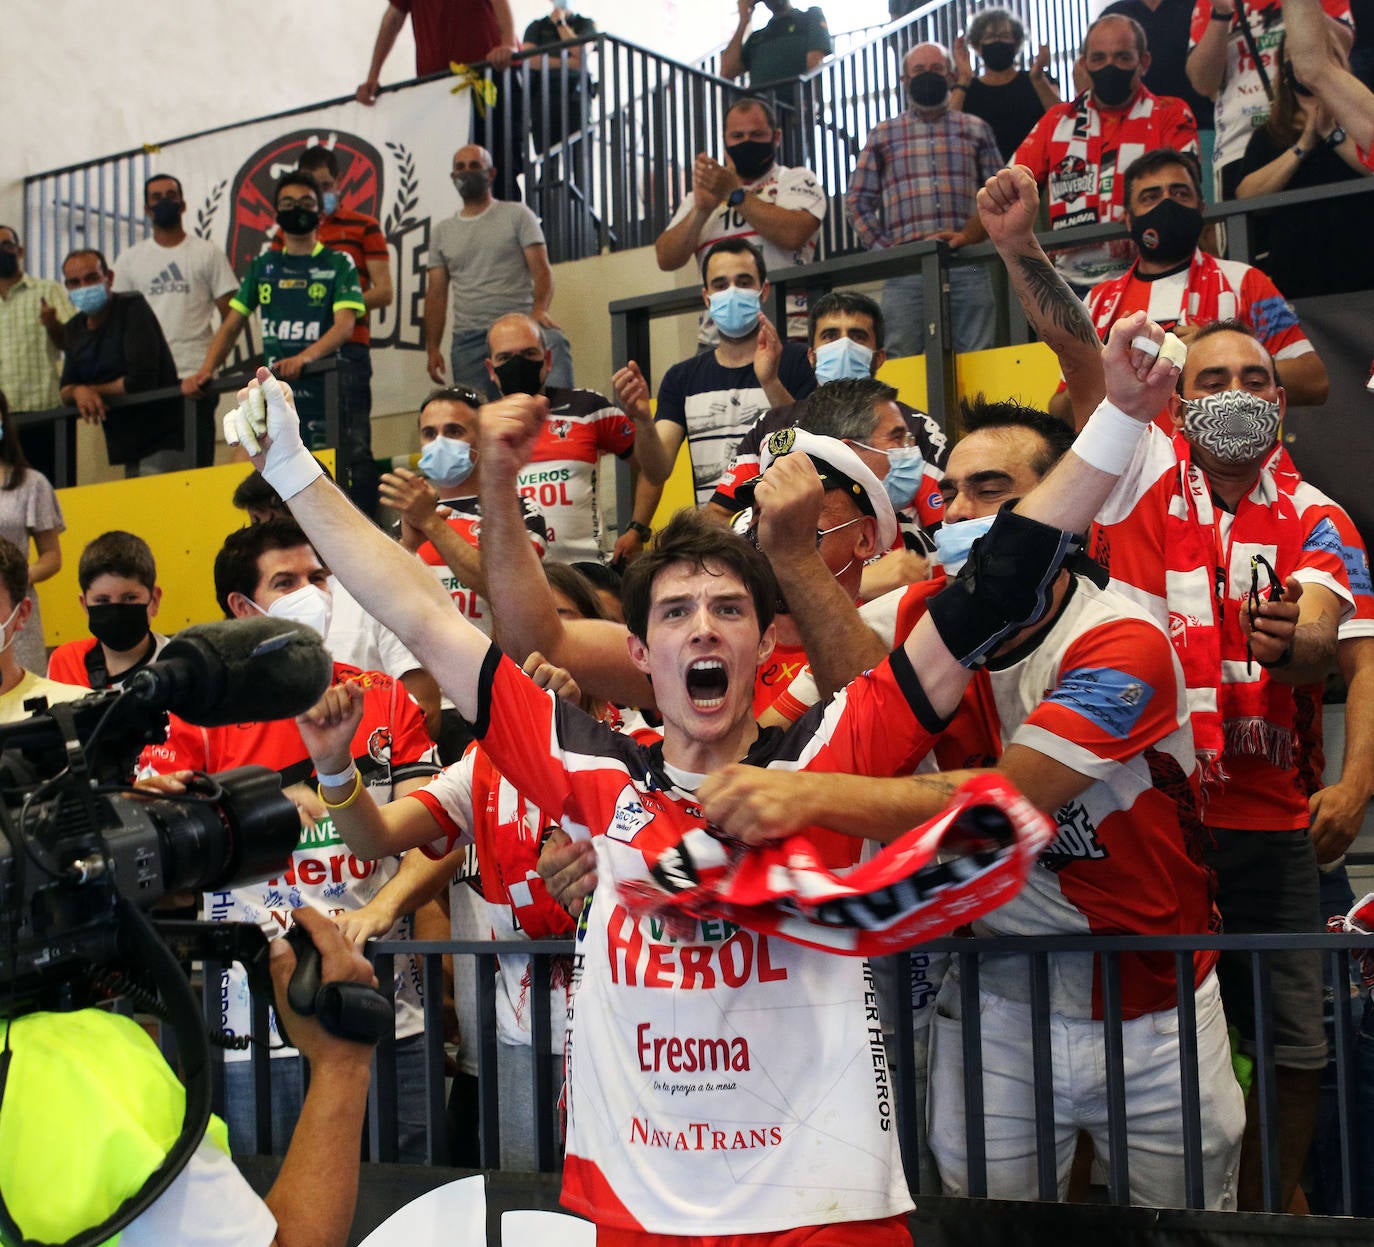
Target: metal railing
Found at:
x=601, y=152
x=196, y=451
x=631, y=318
x=900, y=1026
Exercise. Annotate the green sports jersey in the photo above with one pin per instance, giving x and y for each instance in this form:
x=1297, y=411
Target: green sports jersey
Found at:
x=298, y=295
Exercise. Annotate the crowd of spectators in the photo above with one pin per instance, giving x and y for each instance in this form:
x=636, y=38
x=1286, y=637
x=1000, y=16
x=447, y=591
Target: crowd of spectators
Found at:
x=1158, y=707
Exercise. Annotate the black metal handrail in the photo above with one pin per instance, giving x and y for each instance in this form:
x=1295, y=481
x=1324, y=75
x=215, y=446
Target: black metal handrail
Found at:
x=61, y=418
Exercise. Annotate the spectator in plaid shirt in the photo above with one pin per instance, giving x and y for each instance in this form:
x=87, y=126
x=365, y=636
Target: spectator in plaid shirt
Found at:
x=917, y=178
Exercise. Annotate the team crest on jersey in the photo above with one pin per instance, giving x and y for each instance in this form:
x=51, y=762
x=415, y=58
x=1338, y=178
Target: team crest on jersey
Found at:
x=316, y=293
x=781, y=441
x=379, y=745
x=1071, y=179
x=630, y=817
x=560, y=428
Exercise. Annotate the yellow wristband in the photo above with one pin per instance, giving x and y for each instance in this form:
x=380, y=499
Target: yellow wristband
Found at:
x=348, y=800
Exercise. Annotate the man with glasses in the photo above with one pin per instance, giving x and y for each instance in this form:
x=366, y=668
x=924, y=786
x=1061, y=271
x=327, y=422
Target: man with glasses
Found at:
x=749, y=196
x=33, y=311
x=310, y=299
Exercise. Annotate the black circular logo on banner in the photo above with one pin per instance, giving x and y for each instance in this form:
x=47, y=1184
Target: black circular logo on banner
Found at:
x=361, y=171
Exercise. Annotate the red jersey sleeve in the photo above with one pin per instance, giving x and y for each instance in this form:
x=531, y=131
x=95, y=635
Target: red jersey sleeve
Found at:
x=1322, y=560
x=615, y=432
x=1117, y=694
x=1178, y=127
x=1271, y=316
x=1202, y=17
x=187, y=748
x=1034, y=151
x=374, y=244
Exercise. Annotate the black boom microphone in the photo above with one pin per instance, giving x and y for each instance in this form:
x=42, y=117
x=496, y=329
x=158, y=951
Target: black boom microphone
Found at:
x=236, y=671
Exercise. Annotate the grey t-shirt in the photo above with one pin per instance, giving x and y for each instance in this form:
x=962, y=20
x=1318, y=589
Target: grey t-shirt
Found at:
x=485, y=258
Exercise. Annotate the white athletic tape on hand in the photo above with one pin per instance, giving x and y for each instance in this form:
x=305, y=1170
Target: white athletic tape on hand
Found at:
x=1147, y=345
x=1174, y=350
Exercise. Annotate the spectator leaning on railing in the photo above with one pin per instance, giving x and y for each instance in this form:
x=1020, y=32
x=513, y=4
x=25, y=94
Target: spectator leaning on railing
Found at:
x=115, y=348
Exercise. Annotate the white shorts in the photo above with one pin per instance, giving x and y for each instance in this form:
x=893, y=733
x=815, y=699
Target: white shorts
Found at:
x=1154, y=1110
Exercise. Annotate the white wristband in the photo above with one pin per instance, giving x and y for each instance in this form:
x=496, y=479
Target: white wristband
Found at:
x=1108, y=439
x=292, y=474
x=340, y=779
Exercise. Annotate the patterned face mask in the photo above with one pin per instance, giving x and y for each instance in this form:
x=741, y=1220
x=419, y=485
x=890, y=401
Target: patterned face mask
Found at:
x=1233, y=425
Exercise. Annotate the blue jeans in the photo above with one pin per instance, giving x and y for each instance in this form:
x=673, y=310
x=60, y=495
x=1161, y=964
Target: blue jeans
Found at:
x=468, y=356
x=971, y=307
x=288, y=1094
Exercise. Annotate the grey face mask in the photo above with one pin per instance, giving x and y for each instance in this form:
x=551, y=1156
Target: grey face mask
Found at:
x=1235, y=426
x=471, y=183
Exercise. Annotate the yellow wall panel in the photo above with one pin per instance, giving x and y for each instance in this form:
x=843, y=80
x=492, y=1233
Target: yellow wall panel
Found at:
x=183, y=516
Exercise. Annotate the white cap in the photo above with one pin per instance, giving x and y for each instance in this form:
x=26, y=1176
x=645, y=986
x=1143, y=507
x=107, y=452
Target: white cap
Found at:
x=839, y=467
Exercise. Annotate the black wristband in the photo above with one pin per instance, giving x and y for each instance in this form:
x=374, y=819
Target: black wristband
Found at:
x=644, y=531
x=1222, y=17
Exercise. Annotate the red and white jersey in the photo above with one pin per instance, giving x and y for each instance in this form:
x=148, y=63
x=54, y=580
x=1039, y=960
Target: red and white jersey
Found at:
x=1129, y=539
x=1242, y=104
x=1100, y=692
x=466, y=521
x=1312, y=748
x=692, y=1107
x=561, y=476
x=390, y=745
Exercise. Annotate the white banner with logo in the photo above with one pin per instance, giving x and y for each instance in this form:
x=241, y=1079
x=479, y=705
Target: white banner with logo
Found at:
x=394, y=162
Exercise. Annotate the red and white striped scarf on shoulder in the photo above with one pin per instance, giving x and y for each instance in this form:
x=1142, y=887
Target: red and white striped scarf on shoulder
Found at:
x=1075, y=152
x=1236, y=707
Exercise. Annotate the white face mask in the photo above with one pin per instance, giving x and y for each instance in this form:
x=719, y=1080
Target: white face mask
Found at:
x=309, y=605
x=10, y=640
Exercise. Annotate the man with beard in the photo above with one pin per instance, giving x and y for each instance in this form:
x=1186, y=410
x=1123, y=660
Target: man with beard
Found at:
x=494, y=256
x=1183, y=288
x=917, y=179
x=186, y=280
x=1251, y=587
x=752, y=197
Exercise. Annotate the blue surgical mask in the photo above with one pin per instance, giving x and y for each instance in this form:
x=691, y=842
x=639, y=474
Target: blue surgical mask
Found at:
x=329, y=202
x=90, y=299
x=448, y=460
x=954, y=541
x=842, y=360
x=735, y=311
x=906, y=467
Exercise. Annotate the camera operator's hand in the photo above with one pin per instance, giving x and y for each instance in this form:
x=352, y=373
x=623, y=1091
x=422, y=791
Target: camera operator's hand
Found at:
x=266, y=425
x=327, y=728
x=340, y=962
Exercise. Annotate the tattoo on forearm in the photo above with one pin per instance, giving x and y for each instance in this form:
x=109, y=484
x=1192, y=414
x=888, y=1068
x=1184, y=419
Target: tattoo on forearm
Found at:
x=938, y=784
x=1055, y=300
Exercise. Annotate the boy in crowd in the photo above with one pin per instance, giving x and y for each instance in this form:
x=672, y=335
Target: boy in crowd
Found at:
x=121, y=596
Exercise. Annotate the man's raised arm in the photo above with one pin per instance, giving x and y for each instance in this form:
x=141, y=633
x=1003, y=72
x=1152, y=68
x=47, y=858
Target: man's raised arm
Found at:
x=391, y=585
x=1007, y=206
x=525, y=617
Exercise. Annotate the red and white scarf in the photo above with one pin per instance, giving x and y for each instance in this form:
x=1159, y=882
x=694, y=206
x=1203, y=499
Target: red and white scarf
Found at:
x=1075, y=161
x=1234, y=711
x=1209, y=296
x=990, y=836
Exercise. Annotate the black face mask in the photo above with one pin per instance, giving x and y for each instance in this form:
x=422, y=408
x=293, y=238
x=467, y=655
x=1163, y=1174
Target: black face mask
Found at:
x=1169, y=231
x=167, y=213
x=1112, y=85
x=1292, y=80
x=298, y=220
x=519, y=375
x=928, y=90
x=752, y=158
x=119, y=625
x=9, y=263
x=998, y=55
